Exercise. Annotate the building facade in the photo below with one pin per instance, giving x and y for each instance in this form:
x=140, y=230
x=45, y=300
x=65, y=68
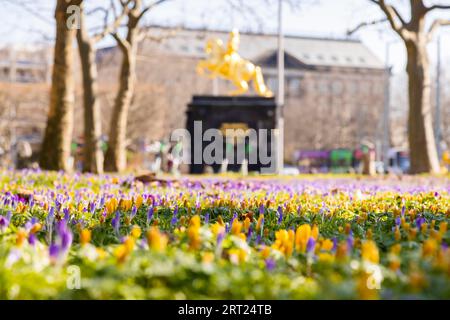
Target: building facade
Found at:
x=334, y=88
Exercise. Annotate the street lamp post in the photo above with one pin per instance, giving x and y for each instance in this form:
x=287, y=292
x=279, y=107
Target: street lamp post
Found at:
x=437, y=120
x=386, y=109
x=280, y=91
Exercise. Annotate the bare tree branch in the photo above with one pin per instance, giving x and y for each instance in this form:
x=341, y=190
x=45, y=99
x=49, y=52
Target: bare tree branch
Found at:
x=438, y=6
x=150, y=6
x=394, y=18
x=36, y=13
x=365, y=24
x=110, y=27
x=435, y=26
x=146, y=34
x=123, y=43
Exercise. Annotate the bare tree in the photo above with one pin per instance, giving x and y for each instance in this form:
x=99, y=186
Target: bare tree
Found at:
x=55, y=151
x=415, y=35
x=92, y=152
x=115, y=158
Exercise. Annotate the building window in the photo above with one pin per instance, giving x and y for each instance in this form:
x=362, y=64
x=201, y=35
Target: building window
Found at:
x=272, y=83
x=377, y=88
x=364, y=88
x=323, y=87
x=337, y=87
x=353, y=87
x=294, y=87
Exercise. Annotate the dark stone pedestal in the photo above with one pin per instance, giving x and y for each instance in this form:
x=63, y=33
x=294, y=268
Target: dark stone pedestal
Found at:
x=220, y=112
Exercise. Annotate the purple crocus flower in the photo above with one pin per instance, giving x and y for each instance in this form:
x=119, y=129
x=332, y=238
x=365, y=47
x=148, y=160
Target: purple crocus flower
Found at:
x=261, y=209
x=51, y=213
x=174, y=218
x=49, y=224
x=270, y=264
x=66, y=214
x=92, y=207
x=54, y=251
x=419, y=222
x=4, y=221
x=249, y=233
x=57, y=204
x=32, y=239
x=150, y=212
x=280, y=215
x=133, y=212
x=116, y=222
x=335, y=244
x=197, y=203
x=220, y=238
x=397, y=221
x=66, y=238
x=102, y=202
x=310, y=245
x=59, y=249
x=403, y=210
x=207, y=218
x=350, y=241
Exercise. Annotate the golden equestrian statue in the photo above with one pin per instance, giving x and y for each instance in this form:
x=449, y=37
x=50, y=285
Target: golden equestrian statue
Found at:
x=225, y=62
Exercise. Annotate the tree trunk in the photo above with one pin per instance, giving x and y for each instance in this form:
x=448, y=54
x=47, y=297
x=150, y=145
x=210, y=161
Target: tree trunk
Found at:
x=115, y=158
x=422, y=143
x=92, y=152
x=56, y=146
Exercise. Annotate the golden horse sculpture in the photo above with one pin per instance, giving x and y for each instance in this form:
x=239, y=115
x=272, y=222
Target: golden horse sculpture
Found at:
x=225, y=62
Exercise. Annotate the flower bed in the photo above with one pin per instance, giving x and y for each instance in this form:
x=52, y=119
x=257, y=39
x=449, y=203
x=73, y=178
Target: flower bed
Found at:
x=104, y=237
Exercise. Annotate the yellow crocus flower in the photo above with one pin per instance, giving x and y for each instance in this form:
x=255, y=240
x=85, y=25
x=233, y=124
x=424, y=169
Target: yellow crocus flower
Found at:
x=327, y=245
x=369, y=251
x=21, y=236
x=302, y=235
x=156, y=240
x=315, y=232
x=236, y=227
x=138, y=202
x=259, y=223
x=85, y=237
x=136, y=232
x=429, y=247
x=194, y=233
x=111, y=205
x=217, y=228
x=246, y=224
x=126, y=204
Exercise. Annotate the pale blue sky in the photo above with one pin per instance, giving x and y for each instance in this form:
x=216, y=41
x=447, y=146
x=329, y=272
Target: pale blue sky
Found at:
x=324, y=18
